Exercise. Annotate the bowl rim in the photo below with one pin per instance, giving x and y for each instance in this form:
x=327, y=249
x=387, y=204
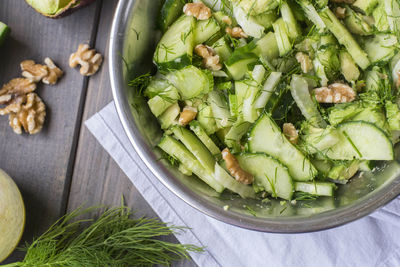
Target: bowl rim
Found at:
x=322, y=221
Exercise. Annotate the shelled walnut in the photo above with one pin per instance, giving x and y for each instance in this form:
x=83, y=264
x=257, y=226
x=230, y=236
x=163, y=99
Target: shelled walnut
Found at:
x=210, y=59
x=236, y=32
x=187, y=115
x=305, y=62
x=290, y=132
x=198, y=10
x=54, y=72
x=335, y=93
x=89, y=60
x=16, y=87
x=27, y=112
x=234, y=168
x=32, y=71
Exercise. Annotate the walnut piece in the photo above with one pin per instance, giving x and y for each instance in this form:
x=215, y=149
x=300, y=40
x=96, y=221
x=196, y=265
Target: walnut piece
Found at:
x=28, y=112
x=290, y=132
x=335, y=93
x=236, y=32
x=198, y=10
x=234, y=168
x=32, y=71
x=54, y=72
x=89, y=60
x=187, y=115
x=210, y=59
x=227, y=20
x=305, y=62
x=340, y=12
x=16, y=87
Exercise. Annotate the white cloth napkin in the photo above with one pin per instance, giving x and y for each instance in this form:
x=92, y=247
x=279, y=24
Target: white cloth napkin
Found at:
x=371, y=241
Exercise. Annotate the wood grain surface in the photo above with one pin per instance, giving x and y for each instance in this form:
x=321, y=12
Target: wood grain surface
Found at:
x=63, y=167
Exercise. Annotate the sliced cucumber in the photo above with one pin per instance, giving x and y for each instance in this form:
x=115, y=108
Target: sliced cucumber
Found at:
x=268, y=173
x=194, y=145
x=169, y=116
x=4, y=32
x=177, y=150
x=202, y=135
x=316, y=188
x=205, y=30
x=282, y=37
x=268, y=88
x=266, y=19
x=345, y=38
x=206, y=118
x=158, y=105
x=312, y=14
x=381, y=47
x=392, y=8
x=367, y=6
x=222, y=48
x=175, y=48
x=348, y=67
x=237, y=131
x=185, y=170
x=248, y=24
x=170, y=11
x=220, y=109
x=267, y=137
x=229, y=182
x=267, y=47
x=361, y=140
x=250, y=113
x=289, y=19
x=191, y=82
x=301, y=94
x=237, y=64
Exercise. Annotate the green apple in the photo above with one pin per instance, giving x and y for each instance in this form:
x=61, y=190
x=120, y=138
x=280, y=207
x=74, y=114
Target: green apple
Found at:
x=57, y=8
x=12, y=215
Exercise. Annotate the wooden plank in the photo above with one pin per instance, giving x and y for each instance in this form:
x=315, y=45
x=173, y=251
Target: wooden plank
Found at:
x=97, y=179
x=40, y=163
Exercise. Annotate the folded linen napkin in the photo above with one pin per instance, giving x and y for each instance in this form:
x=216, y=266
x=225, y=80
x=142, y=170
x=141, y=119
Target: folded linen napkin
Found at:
x=371, y=241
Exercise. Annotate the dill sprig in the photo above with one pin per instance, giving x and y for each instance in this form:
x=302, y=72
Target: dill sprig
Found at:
x=113, y=239
x=141, y=82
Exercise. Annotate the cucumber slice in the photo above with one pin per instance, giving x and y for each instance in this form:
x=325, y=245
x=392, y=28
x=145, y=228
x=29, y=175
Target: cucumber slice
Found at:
x=392, y=8
x=237, y=64
x=170, y=11
x=195, y=146
x=267, y=47
x=301, y=94
x=240, y=92
x=177, y=150
x=316, y=188
x=345, y=38
x=282, y=37
x=361, y=140
x=220, y=109
x=202, y=135
x=289, y=19
x=175, y=49
x=266, y=19
x=222, y=48
x=183, y=169
x=169, y=117
x=367, y=6
x=237, y=131
x=191, y=82
x=250, y=113
x=4, y=32
x=267, y=137
x=161, y=99
x=348, y=67
x=312, y=14
x=205, y=30
x=206, y=118
x=158, y=105
x=381, y=47
x=248, y=24
x=268, y=88
x=229, y=182
x=268, y=173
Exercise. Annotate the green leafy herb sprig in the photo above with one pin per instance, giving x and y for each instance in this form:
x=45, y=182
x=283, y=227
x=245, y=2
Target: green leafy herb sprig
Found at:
x=114, y=239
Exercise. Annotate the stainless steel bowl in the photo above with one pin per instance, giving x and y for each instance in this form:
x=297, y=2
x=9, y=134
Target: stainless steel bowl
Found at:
x=133, y=38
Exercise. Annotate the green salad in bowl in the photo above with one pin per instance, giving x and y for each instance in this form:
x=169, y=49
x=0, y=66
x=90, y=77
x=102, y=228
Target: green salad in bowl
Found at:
x=276, y=99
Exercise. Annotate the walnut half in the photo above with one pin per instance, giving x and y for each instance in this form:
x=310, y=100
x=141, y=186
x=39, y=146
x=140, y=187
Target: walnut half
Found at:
x=335, y=93
x=236, y=32
x=29, y=113
x=210, y=59
x=89, y=60
x=290, y=132
x=32, y=71
x=234, y=168
x=16, y=87
x=198, y=10
x=54, y=72
x=187, y=115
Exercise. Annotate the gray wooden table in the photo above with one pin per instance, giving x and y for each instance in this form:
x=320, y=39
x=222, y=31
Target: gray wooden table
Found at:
x=62, y=167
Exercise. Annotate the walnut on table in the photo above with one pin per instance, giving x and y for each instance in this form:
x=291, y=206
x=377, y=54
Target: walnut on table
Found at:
x=210, y=58
x=27, y=112
x=335, y=93
x=16, y=87
x=32, y=71
x=234, y=168
x=89, y=60
x=54, y=72
x=198, y=10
